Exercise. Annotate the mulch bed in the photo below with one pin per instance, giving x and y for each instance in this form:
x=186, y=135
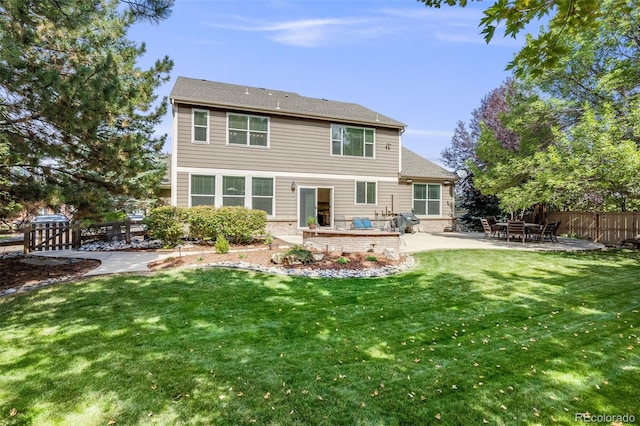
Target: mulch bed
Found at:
x=15, y=273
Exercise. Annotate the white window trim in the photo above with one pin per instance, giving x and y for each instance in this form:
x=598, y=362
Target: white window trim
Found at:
x=247, y=145
x=427, y=199
x=248, y=188
x=373, y=157
x=273, y=191
x=215, y=189
x=355, y=193
x=193, y=125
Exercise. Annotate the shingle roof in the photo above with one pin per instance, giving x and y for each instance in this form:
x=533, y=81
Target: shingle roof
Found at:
x=211, y=93
x=416, y=166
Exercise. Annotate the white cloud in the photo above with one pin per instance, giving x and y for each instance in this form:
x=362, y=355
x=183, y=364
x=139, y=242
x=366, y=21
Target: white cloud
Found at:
x=308, y=32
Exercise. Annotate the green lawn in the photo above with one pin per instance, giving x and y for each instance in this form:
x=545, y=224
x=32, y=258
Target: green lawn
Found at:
x=466, y=337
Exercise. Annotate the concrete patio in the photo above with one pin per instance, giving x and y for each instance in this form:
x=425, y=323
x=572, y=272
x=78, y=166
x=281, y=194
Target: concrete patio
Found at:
x=421, y=241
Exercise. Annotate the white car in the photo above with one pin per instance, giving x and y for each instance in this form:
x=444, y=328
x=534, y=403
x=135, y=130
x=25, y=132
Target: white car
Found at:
x=50, y=218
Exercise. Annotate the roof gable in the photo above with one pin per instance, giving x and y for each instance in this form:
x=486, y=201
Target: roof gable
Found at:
x=416, y=166
x=211, y=93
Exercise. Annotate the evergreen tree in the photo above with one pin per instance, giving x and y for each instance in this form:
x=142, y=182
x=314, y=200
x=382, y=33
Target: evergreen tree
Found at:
x=77, y=115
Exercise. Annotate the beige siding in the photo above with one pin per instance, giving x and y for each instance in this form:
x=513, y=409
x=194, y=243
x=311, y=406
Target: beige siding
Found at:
x=296, y=146
x=391, y=196
x=183, y=189
x=299, y=152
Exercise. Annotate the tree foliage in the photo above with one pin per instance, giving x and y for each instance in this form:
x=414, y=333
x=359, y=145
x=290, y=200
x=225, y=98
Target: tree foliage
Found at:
x=462, y=153
x=565, y=20
x=77, y=115
x=579, y=127
x=575, y=128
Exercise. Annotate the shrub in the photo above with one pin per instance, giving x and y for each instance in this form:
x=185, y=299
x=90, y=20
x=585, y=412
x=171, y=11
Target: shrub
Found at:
x=342, y=260
x=298, y=253
x=222, y=245
x=203, y=224
x=372, y=258
x=240, y=224
x=167, y=224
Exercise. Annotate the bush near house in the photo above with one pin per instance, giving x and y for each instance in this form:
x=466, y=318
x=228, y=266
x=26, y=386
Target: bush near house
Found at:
x=237, y=224
x=167, y=224
x=202, y=222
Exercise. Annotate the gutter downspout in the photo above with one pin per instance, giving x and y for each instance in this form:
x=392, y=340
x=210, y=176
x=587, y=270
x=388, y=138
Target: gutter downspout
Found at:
x=174, y=155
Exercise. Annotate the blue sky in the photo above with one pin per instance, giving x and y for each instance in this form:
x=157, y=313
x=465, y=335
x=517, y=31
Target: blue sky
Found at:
x=428, y=68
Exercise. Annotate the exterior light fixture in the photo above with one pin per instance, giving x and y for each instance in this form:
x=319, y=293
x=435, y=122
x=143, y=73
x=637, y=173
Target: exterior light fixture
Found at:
x=293, y=186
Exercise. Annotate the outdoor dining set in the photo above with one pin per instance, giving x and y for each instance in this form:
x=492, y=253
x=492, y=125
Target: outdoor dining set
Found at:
x=520, y=230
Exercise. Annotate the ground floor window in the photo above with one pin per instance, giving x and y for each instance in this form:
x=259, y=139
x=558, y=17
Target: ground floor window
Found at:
x=365, y=193
x=262, y=194
x=203, y=190
x=256, y=192
x=233, y=190
x=426, y=199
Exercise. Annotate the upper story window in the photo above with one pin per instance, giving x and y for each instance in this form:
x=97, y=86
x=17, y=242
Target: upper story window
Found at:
x=200, y=126
x=248, y=130
x=426, y=199
x=352, y=141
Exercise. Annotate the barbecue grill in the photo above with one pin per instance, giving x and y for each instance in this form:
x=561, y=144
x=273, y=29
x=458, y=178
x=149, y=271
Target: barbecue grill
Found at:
x=406, y=220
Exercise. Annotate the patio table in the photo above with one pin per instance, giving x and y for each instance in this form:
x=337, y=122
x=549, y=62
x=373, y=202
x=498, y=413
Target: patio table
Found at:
x=527, y=226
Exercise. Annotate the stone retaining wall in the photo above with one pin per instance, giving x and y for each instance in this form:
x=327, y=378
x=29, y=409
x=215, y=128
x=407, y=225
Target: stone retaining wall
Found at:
x=387, y=243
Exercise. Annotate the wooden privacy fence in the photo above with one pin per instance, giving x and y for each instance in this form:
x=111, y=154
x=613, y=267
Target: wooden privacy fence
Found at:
x=605, y=228
x=61, y=235
x=51, y=236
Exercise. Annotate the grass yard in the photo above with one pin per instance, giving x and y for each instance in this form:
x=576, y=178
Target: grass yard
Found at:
x=467, y=337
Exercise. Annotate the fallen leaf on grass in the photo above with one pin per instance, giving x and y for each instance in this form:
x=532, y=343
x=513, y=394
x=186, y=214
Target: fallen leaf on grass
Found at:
x=13, y=412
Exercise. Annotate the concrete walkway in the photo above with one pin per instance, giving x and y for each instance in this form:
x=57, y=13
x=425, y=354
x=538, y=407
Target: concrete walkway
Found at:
x=114, y=262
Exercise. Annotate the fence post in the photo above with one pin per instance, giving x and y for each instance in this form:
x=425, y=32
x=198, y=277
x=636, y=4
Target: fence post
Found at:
x=597, y=226
x=27, y=239
x=76, y=236
x=127, y=230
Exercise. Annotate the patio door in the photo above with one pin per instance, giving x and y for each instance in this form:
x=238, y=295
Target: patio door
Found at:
x=307, y=205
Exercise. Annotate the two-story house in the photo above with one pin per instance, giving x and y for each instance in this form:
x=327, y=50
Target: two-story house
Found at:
x=294, y=157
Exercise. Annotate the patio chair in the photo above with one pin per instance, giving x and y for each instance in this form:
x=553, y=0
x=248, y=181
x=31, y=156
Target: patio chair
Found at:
x=340, y=222
x=491, y=230
x=362, y=223
x=516, y=228
x=552, y=231
x=538, y=233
